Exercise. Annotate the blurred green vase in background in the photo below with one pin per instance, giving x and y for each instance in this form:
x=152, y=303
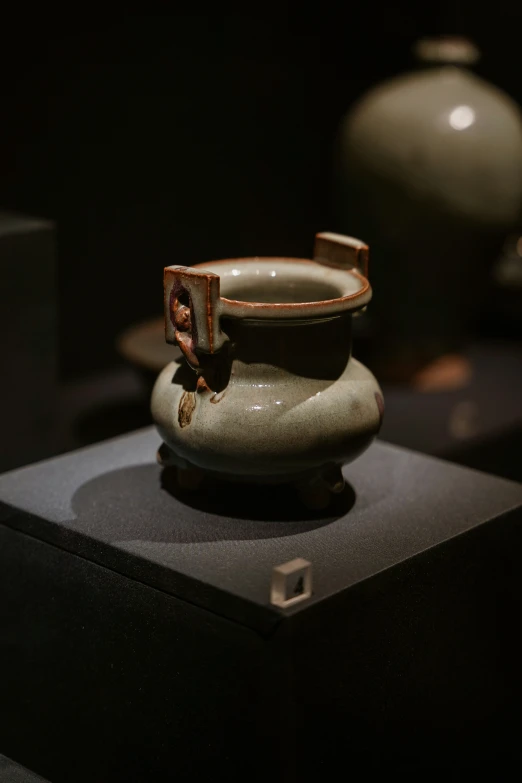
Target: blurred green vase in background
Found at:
x=429, y=169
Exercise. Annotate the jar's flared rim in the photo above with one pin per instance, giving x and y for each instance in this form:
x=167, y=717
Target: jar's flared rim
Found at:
x=335, y=290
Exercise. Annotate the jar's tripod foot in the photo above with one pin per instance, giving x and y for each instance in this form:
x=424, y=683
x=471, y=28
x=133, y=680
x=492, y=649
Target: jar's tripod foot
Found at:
x=316, y=493
x=334, y=479
x=188, y=477
x=165, y=457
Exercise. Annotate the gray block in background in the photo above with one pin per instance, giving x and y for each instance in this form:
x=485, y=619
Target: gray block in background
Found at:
x=141, y=645
x=28, y=338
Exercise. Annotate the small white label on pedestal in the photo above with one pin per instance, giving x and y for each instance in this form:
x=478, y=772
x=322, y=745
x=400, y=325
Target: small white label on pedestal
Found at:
x=291, y=583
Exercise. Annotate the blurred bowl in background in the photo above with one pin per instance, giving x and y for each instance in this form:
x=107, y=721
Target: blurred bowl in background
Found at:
x=143, y=345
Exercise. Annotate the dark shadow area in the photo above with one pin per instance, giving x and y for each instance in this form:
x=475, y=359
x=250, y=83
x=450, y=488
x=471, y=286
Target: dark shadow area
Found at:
x=111, y=420
x=289, y=345
x=184, y=376
x=143, y=502
x=215, y=369
x=258, y=502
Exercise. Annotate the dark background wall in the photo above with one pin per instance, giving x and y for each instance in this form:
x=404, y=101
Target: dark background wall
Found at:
x=177, y=138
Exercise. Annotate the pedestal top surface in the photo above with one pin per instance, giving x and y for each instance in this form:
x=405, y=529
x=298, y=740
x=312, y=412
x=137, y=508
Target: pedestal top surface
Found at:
x=216, y=547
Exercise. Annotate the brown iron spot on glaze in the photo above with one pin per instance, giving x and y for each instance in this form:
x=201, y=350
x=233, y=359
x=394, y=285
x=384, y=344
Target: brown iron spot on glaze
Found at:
x=356, y=404
x=182, y=319
x=217, y=397
x=380, y=404
x=186, y=344
x=175, y=291
x=186, y=408
x=202, y=385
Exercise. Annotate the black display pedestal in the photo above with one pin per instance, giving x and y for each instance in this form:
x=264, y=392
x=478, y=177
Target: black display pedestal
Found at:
x=138, y=642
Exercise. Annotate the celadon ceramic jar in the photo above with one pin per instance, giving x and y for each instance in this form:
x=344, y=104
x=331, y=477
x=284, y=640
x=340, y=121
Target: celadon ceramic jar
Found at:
x=267, y=389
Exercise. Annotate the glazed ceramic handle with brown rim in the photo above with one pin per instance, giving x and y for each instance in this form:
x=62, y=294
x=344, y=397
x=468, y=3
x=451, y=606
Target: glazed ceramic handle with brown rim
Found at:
x=342, y=252
x=192, y=311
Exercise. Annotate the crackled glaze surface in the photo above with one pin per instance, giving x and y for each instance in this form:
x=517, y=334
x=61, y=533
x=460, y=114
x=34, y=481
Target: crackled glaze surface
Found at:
x=276, y=394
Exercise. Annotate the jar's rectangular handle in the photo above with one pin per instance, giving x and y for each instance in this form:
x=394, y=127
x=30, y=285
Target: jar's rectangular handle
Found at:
x=192, y=310
x=341, y=251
